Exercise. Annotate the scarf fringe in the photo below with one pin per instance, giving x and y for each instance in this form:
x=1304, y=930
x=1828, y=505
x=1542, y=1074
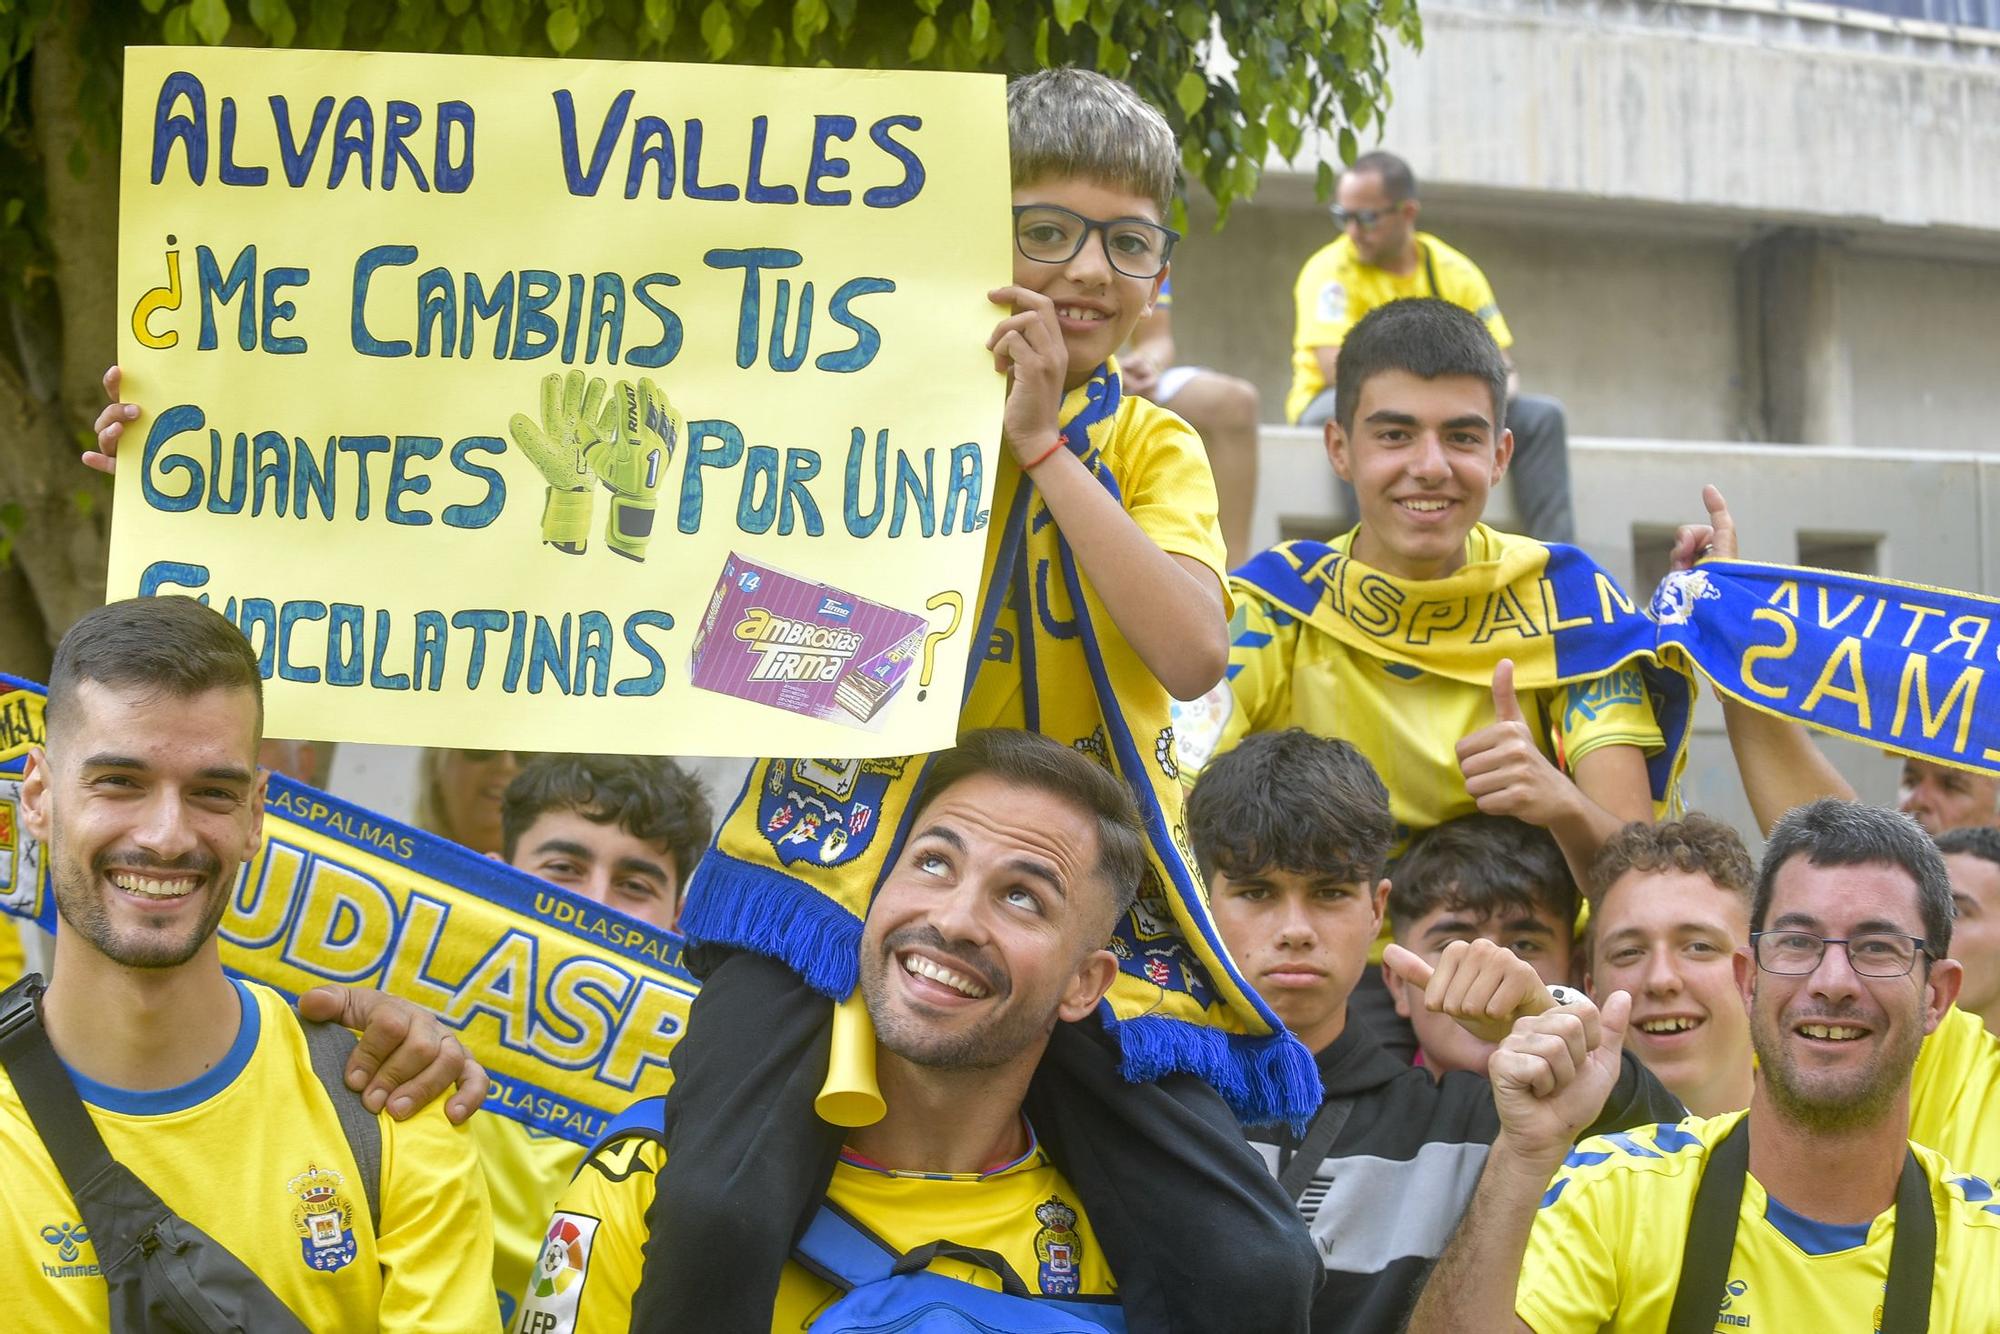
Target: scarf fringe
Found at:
x=1265, y=1080
x=751, y=907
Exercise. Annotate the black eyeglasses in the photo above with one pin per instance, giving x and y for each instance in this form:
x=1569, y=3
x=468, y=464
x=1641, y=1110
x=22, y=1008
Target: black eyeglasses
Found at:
x=1367, y=217
x=1050, y=235
x=1871, y=954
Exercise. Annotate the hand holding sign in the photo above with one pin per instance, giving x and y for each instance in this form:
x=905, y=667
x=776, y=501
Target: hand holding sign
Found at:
x=1028, y=345
x=1505, y=771
x=1484, y=986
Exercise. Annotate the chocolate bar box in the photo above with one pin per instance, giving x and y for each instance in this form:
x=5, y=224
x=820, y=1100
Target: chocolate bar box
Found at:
x=773, y=638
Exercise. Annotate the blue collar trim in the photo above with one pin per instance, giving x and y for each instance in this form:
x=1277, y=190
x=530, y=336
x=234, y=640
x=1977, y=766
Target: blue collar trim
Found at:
x=159, y=1102
x=1812, y=1236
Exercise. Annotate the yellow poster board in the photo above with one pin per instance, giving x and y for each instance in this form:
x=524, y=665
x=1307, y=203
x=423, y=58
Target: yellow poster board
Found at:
x=566, y=405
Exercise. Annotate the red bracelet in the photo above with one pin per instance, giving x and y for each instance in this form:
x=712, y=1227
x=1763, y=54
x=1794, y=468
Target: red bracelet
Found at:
x=1062, y=442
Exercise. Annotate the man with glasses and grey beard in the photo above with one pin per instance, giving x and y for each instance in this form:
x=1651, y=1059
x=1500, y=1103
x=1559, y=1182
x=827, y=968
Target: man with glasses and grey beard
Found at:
x=1380, y=257
x=1813, y=1210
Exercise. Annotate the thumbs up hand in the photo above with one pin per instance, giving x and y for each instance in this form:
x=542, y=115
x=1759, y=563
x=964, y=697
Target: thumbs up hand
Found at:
x=1484, y=986
x=1505, y=771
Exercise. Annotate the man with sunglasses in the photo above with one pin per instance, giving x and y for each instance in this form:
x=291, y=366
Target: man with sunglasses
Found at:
x=1381, y=257
x=1813, y=1210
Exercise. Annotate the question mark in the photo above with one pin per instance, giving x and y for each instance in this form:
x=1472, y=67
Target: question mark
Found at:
x=936, y=637
x=160, y=298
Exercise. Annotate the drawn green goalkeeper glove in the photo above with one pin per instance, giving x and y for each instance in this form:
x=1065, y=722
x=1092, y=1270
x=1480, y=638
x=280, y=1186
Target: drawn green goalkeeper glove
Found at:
x=636, y=438
x=570, y=411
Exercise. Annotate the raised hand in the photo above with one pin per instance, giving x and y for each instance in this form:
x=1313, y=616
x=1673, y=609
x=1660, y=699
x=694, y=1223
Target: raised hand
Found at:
x=1553, y=1072
x=1698, y=541
x=111, y=424
x=1028, y=347
x=1505, y=771
x=1484, y=986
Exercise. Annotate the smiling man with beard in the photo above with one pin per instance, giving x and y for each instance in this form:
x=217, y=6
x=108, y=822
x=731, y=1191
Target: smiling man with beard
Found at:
x=1813, y=1210
x=988, y=932
x=147, y=799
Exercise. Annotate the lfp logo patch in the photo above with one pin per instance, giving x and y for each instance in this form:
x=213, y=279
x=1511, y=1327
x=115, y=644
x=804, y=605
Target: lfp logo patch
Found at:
x=556, y=1285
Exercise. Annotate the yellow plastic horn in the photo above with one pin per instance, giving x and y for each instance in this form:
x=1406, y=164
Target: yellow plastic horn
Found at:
x=850, y=1096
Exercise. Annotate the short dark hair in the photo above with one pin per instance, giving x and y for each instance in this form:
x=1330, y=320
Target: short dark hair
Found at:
x=1291, y=801
x=1981, y=840
x=171, y=646
x=648, y=796
x=1697, y=844
x=1426, y=337
x=1398, y=181
x=1832, y=832
x=1482, y=864
x=1046, y=765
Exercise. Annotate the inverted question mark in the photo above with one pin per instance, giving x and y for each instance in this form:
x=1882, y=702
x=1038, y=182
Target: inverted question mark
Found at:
x=160, y=298
x=936, y=637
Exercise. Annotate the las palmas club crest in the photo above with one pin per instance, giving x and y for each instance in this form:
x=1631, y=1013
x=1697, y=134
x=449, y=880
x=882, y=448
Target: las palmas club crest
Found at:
x=324, y=1218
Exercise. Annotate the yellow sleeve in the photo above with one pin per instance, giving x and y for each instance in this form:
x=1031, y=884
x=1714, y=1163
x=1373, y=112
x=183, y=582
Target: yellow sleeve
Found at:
x=1169, y=490
x=1955, y=1094
x=435, y=1245
x=594, y=1250
x=1569, y=1278
x=1609, y=710
x=1320, y=298
x=1463, y=284
x=1262, y=642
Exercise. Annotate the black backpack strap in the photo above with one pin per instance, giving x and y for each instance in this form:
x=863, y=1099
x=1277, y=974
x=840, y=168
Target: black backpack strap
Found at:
x=918, y=1259
x=330, y=1045
x=1305, y=1159
x=47, y=1093
x=1906, y=1307
x=163, y=1275
x=1711, y=1234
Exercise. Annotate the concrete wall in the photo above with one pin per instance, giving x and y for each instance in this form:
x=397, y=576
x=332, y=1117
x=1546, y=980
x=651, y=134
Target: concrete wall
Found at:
x=1703, y=221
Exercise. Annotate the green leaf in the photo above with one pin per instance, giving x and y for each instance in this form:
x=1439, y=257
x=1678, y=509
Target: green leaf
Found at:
x=472, y=36
x=1349, y=149
x=274, y=19
x=1192, y=20
x=152, y=6
x=211, y=20
x=563, y=29
x=458, y=9
x=178, y=26
x=1323, y=181
x=809, y=20
x=717, y=29
x=1069, y=11
x=1042, y=42
x=1191, y=93
x=927, y=6
x=923, y=37
x=982, y=19
x=657, y=12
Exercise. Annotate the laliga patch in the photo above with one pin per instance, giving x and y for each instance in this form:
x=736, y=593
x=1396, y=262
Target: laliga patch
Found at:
x=555, y=1286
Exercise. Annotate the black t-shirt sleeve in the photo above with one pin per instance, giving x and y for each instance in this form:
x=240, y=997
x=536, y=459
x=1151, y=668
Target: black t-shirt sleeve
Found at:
x=1637, y=1099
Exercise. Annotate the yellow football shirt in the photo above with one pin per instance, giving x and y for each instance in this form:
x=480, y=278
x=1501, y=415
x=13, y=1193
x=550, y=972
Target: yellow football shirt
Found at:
x=593, y=1257
x=1161, y=471
x=1955, y=1094
x=13, y=956
x=1336, y=288
x=1283, y=673
x=1605, y=1253
x=526, y=1172
x=252, y=1153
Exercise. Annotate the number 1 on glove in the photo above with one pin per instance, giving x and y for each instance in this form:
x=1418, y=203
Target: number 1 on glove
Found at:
x=636, y=439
